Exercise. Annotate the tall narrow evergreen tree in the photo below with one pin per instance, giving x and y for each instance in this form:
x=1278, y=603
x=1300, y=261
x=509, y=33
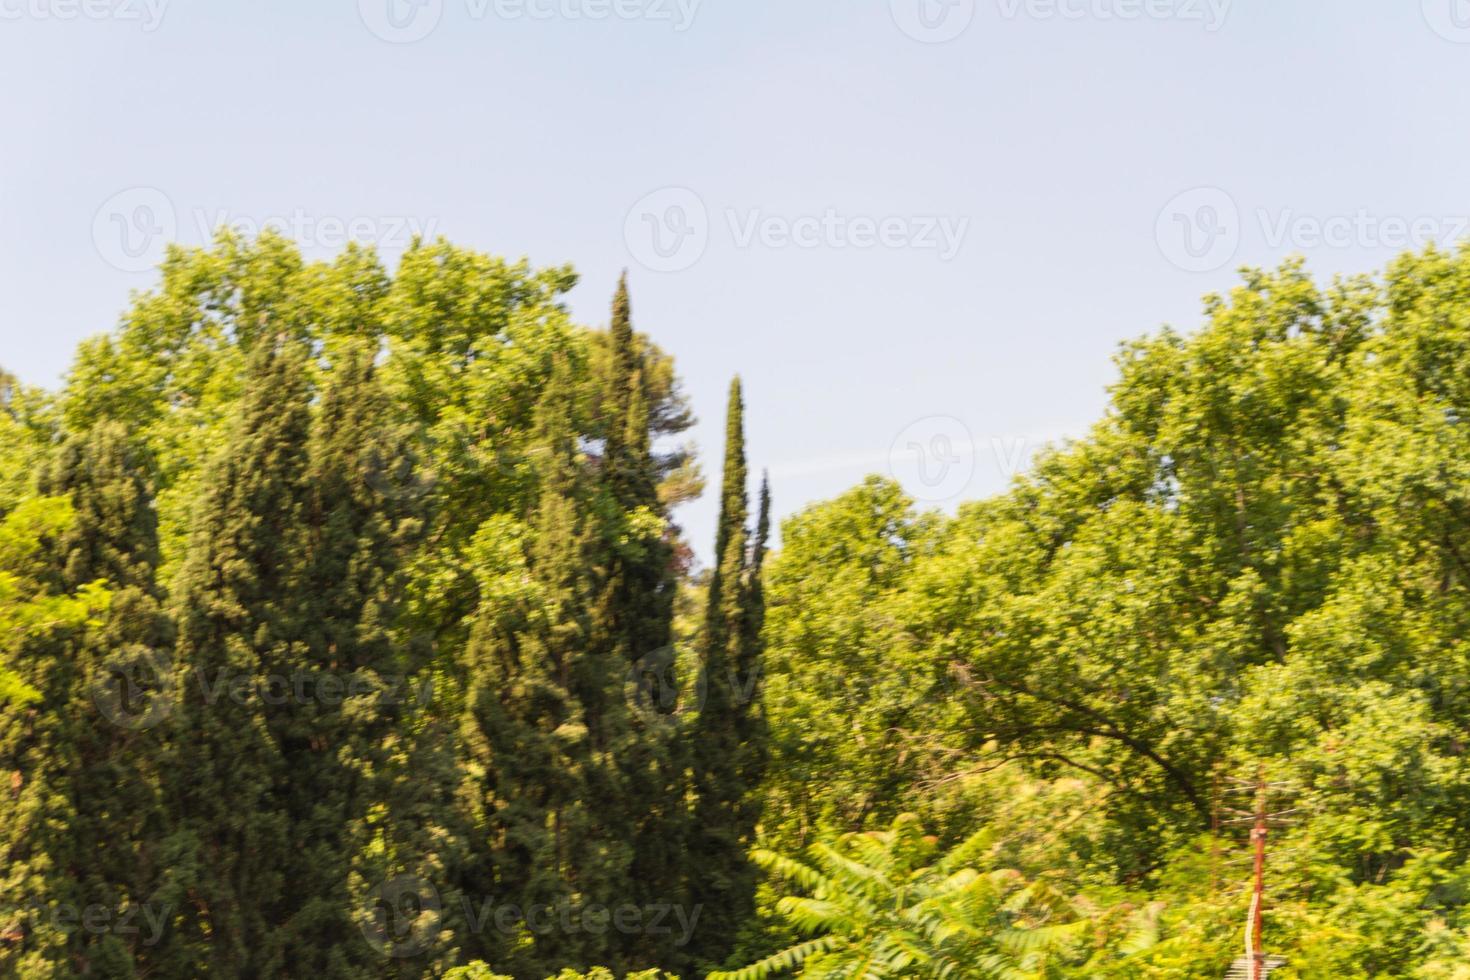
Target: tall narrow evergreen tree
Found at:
x=640, y=579
x=349, y=681
x=93, y=737
x=541, y=772
x=635, y=618
x=116, y=852
x=753, y=729
x=240, y=610
x=729, y=737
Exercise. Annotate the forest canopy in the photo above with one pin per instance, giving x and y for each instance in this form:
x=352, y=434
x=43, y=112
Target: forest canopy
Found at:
x=349, y=632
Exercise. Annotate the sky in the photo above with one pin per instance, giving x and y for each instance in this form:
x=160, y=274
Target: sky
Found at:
x=917, y=229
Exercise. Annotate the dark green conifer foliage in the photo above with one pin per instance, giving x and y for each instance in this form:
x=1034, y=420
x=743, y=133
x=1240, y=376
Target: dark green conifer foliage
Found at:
x=541, y=771
x=729, y=734
x=635, y=618
x=641, y=577
x=240, y=605
x=349, y=682
x=115, y=851
x=83, y=821
x=751, y=667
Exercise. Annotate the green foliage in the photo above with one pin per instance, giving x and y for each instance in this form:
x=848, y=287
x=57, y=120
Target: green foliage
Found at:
x=848, y=688
x=93, y=661
x=479, y=971
x=1257, y=555
x=433, y=492
x=885, y=904
x=573, y=794
x=27, y=610
x=730, y=735
x=242, y=630
x=27, y=429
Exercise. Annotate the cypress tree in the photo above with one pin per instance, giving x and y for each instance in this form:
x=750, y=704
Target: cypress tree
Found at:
x=349, y=684
x=729, y=734
x=115, y=852
x=599, y=542
x=541, y=770
x=753, y=729
x=636, y=618
x=240, y=614
x=640, y=578
x=83, y=820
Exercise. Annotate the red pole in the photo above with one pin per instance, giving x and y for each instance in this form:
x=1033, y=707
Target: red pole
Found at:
x=1258, y=837
x=1215, y=834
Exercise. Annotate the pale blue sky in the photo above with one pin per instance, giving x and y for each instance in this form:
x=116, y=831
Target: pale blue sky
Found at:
x=872, y=228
